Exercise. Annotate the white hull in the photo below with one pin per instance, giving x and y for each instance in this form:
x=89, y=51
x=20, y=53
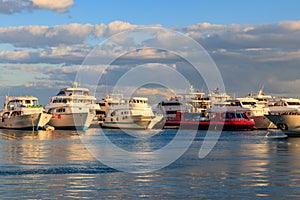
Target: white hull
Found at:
x=79, y=121
x=156, y=120
x=262, y=122
x=289, y=124
x=130, y=124
x=30, y=121
x=44, y=119
x=122, y=125
x=125, y=124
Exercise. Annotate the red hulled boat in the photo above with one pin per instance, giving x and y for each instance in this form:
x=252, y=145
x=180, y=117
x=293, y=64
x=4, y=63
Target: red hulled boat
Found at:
x=202, y=121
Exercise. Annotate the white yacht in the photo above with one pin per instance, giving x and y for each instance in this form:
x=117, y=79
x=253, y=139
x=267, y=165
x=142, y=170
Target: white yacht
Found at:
x=133, y=113
x=288, y=122
x=72, y=108
x=23, y=112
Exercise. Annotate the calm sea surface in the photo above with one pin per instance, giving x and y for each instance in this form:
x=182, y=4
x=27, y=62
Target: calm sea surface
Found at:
x=56, y=165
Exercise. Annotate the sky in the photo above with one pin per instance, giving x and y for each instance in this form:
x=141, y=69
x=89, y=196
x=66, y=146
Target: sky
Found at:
x=43, y=43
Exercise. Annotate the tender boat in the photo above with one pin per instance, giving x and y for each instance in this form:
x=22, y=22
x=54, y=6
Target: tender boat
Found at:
x=202, y=121
x=288, y=122
x=133, y=113
x=72, y=108
x=23, y=112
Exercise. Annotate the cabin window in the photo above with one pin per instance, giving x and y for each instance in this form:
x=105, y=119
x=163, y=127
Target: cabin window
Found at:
x=239, y=115
x=60, y=110
x=15, y=113
x=249, y=103
x=293, y=103
x=59, y=100
x=35, y=102
x=78, y=92
x=5, y=115
x=230, y=115
x=113, y=113
x=171, y=112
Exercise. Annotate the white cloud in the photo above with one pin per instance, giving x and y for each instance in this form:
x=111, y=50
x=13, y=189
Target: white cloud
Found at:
x=43, y=36
x=149, y=53
x=14, y=55
x=15, y=6
x=290, y=25
x=99, y=30
x=285, y=88
x=119, y=26
x=59, y=6
x=259, y=51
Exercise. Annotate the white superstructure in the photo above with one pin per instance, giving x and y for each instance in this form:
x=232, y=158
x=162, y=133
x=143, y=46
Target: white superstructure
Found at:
x=284, y=105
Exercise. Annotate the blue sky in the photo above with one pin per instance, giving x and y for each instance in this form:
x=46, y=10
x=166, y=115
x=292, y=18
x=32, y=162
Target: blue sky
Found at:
x=253, y=43
x=167, y=13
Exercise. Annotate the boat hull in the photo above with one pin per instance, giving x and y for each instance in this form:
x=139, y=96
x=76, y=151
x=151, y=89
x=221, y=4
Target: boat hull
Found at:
x=289, y=124
x=26, y=122
x=212, y=125
x=44, y=119
x=262, y=122
x=123, y=125
x=142, y=122
x=74, y=121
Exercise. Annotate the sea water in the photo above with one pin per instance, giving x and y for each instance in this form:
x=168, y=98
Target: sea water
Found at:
x=58, y=165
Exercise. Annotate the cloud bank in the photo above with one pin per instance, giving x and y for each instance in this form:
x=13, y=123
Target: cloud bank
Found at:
x=16, y=6
x=247, y=56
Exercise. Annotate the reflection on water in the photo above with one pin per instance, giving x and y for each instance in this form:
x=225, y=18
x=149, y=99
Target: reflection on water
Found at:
x=42, y=148
x=57, y=165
